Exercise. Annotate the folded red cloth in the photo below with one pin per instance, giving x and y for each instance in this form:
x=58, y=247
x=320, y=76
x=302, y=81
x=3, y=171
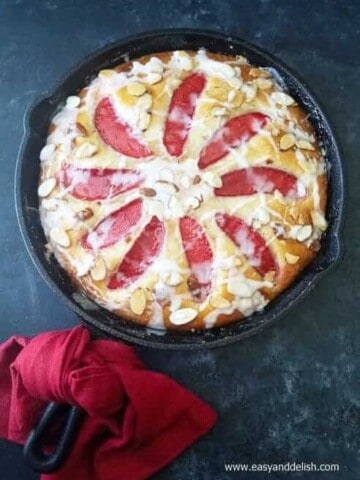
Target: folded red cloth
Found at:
x=137, y=420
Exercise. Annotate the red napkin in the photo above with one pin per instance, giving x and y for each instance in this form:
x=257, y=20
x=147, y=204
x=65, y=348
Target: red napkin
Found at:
x=137, y=420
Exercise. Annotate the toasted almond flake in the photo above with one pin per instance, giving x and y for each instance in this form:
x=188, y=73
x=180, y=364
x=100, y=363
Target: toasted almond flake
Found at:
x=156, y=65
x=144, y=121
x=235, y=82
x=98, y=272
x=287, y=141
x=219, y=111
x=241, y=59
x=85, y=150
x=85, y=214
x=305, y=145
x=212, y=179
x=165, y=187
x=193, y=203
x=264, y=83
x=254, y=72
x=46, y=187
x=61, y=237
x=147, y=192
x=270, y=276
x=73, y=101
x=303, y=233
x=291, y=259
x=282, y=98
x=47, y=152
x=136, y=89
x=183, y=316
x=106, y=73
x=238, y=261
x=220, y=302
x=250, y=92
x=145, y=101
x=50, y=204
x=186, y=62
x=319, y=220
x=173, y=279
x=138, y=301
x=154, y=78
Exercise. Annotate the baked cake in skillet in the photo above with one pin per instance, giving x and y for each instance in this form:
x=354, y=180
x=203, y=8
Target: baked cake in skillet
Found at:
x=183, y=190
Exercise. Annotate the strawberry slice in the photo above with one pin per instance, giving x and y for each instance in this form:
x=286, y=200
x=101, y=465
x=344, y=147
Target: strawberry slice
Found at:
x=199, y=256
x=235, y=132
x=98, y=184
x=141, y=255
x=117, y=133
x=257, y=179
x=181, y=111
x=113, y=227
x=250, y=242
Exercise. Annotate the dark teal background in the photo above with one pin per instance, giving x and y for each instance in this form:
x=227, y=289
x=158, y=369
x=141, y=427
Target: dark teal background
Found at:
x=292, y=393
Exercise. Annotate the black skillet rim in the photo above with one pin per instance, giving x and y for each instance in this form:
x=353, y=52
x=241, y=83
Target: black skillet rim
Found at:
x=103, y=323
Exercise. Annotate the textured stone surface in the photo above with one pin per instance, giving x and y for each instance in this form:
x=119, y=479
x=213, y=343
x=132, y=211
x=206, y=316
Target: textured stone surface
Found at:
x=292, y=392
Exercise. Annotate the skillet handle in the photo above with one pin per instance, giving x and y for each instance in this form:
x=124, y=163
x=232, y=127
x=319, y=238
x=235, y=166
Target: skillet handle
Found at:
x=34, y=446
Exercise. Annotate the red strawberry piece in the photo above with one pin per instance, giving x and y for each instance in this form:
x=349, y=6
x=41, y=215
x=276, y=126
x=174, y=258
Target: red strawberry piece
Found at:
x=199, y=256
x=141, y=255
x=181, y=111
x=235, y=132
x=117, y=133
x=257, y=179
x=113, y=227
x=250, y=242
x=98, y=184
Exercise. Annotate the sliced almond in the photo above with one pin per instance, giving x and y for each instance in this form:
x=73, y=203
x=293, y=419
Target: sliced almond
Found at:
x=196, y=180
x=241, y=59
x=147, y=192
x=136, y=89
x=250, y=92
x=193, y=203
x=303, y=233
x=145, y=101
x=61, y=237
x=154, y=78
x=106, y=73
x=144, y=121
x=47, y=152
x=212, y=179
x=46, y=187
x=282, y=98
x=319, y=220
x=73, y=101
x=291, y=259
x=175, y=207
x=173, y=279
x=235, y=82
x=220, y=302
x=270, y=276
x=85, y=214
x=231, y=95
x=166, y=187
x=287, y=141
x=305, y=145
x=183, y=316
x=238, y=100
x=239, y=288
x=138, y=301
x=98, y=272
x=219, y=111
x=85, y=150
x=264, y=83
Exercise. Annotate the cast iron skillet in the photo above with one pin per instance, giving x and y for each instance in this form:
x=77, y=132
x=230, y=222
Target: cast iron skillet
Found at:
x=27, y=175
x=103, y=322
